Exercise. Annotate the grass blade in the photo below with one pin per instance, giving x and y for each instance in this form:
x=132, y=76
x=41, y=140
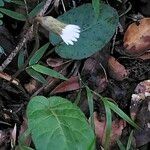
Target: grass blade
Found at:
x=129, y=141
x=108, y=126
x=48, y=71
x=117, y=110
x=38, y=54
x=120, y=145
x=90, y=104
x=36, y=75
x=13, y=14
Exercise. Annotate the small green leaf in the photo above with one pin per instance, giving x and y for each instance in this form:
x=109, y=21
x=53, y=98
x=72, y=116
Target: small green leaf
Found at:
x=90, y=104
x=38, y=54
x=117, y=110
x=36, y=10
x=57, y=124
x=13, y=14
x=21, y=59
x=129, y=141
x=48, y=71
x=108, y=125
x=120, y=145
x=36, y=75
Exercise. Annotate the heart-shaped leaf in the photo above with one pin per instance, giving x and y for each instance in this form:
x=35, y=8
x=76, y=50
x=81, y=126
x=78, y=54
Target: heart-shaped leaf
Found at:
x=57, y=124
x=95, y=32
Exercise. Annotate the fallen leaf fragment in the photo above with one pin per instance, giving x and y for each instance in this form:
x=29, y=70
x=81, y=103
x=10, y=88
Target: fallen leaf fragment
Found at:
x=93, y=73
x=145, y=56
x=32, y=86
x=117, y=127
x=116, y=70
x=69, y=85
x=54, y=62
x=137, y=37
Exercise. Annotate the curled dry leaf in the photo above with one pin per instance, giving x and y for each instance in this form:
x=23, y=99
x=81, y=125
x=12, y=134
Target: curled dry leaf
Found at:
x=117, y=127
x=116, y=70
x=69, y=85
x=55, y=62
x=137, y=37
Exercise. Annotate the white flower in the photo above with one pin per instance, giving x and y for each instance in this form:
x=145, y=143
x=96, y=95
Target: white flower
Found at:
x=70, y=34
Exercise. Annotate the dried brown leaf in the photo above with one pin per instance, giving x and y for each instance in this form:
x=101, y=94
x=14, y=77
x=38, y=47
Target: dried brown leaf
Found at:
x=117, y=127
x=116, y=70
x=137, y=37
x=69, y=85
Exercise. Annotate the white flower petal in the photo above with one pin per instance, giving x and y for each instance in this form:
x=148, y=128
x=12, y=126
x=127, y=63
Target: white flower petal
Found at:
x=70, y=33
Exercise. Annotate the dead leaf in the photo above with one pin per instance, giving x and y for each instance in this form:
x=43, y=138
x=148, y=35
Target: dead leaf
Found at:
x=93, y=73
x=55, y=62
x=145, y=56
x=31, y=86
x=116, y=70
x=142, y=118
x=117, y=127
x=69, y=85
x=137, y=37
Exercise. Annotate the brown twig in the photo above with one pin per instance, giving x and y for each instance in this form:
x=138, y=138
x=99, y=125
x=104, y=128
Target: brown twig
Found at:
x=28, y=36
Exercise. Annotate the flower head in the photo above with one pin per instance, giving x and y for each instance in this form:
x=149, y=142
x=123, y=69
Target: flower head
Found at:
x=68, y=32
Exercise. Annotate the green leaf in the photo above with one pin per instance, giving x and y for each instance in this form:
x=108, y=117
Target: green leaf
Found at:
x=1, y=3
x=18, y=2
x=36, y=75
x=1, y=50
x=13, y=14
x=38, y=54
x=21, y=59
x=48, y=71
x=120, y=145
x=1, y=15
x=57, y=124
x=22, y=147
x=95, y=33
x=1, y=22
x=117, y=110
x=129, y=141
x=36, y=10
x=96, y=7
x=90, y=104
x=108, y=126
